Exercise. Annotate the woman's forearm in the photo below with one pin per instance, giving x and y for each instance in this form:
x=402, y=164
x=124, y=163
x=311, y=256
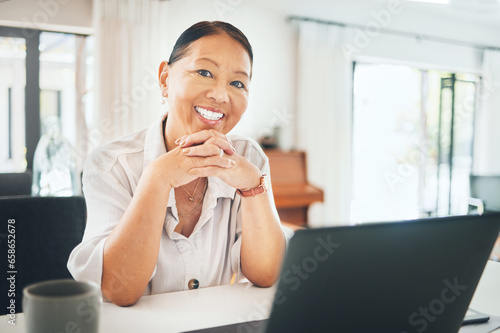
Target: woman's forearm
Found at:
x=131, y=250
x=263, y=242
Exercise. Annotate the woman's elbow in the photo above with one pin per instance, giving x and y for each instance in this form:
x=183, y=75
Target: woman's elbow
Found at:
x=263, y=279
x=124, y=302
x=120, y=298
x=265, y=283
x=120, y=294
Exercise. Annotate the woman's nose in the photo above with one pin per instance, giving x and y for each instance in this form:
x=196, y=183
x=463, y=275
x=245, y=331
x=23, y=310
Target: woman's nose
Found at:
x=218, y=93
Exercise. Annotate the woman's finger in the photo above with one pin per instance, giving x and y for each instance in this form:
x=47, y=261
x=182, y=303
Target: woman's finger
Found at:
x=216, y=161
x=220, y=135
x=202, y=139
x=195, y=138
x=203, y=150
x=179, y=140
x=224, y=144
x=209, y=171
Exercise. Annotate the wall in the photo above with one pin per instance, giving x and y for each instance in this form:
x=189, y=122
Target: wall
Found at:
x=272, y=97
x=272, y=91
x=57, y=15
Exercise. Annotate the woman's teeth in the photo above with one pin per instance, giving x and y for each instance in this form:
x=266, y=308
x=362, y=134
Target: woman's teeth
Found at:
x=209, y=114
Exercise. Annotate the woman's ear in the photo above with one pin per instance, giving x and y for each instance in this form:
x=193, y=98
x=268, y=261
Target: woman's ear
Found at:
x=162, y=78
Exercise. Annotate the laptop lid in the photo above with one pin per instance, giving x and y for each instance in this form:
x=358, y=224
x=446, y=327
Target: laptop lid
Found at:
x=413, y=276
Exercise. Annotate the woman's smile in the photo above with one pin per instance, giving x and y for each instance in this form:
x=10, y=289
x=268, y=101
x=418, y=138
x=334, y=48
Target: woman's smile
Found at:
x=208, y=115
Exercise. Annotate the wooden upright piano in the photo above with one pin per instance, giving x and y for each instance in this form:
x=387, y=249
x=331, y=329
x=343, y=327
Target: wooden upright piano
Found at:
x=292, y=192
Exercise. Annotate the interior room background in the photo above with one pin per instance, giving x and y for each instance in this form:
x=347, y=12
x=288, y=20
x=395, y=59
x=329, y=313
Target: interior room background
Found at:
x=395, y=102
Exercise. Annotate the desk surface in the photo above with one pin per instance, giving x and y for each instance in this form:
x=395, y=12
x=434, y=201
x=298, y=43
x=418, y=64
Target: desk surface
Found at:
x=216, y=306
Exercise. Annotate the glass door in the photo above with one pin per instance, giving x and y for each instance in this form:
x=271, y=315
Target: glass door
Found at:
x=456, y=132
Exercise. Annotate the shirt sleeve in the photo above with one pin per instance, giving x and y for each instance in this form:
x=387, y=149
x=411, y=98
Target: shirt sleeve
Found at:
x=107, y=200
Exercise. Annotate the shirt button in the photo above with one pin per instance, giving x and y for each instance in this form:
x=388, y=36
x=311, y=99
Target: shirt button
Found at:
x=193, y=284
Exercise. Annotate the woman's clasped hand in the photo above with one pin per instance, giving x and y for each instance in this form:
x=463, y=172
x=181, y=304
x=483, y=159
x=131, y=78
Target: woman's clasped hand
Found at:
x=209, y=153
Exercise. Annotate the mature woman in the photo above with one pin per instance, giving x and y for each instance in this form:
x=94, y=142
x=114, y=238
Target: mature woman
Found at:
x=180, y=205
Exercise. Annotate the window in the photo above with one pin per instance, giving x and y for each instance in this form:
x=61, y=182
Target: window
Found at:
x=46, y=74
x=13, y=74
x=412, y=142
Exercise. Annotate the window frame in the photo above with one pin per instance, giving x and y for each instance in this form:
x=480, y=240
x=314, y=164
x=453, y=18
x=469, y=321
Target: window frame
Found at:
x=32, y=90
x=453, y=74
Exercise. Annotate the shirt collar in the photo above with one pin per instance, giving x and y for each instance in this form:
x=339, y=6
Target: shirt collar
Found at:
x=220, y=189
x=154, y=145
x=216, y=189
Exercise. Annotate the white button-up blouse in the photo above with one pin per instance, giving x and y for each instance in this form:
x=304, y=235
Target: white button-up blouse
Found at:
x=211, y=254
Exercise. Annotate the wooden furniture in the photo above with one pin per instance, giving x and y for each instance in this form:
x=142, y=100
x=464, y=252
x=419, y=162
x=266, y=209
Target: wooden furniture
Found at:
x=292, y=192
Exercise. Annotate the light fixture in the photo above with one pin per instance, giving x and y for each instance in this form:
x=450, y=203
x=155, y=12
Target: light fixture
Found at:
x=471, y=6
x=477, y=6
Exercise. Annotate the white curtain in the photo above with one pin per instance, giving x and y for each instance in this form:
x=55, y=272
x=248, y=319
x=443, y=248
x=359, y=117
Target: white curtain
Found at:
x=129, y=46
x=81, y=135
x=324, y=127
x=487, y=134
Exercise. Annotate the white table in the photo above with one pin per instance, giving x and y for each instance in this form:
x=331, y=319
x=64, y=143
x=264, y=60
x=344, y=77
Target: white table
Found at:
x=208, y=307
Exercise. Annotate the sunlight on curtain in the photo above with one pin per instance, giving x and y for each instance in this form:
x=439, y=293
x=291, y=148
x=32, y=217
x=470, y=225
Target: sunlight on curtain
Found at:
x=324, y=127
x=487, y=140
x=130, y=44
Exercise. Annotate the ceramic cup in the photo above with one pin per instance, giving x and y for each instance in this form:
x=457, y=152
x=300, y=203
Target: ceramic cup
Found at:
x=61, y=306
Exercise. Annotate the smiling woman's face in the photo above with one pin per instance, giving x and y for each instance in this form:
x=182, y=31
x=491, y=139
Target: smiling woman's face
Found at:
x=208, y=87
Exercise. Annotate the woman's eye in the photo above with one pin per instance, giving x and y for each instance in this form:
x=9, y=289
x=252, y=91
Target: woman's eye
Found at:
x=204, y=73
x=238, y=84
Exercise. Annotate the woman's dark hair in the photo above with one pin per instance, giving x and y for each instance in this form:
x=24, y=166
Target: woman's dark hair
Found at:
x=207, y=28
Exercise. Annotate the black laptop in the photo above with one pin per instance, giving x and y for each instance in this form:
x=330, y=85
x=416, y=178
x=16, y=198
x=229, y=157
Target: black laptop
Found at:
x=411, y=276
